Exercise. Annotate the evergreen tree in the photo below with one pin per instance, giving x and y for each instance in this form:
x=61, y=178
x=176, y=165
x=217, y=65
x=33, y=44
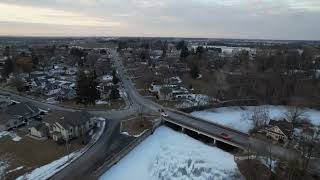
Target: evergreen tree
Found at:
x=115, y=79
x=200, y=51
x=115, y=94
x=195, y=71
x=87, y=92
x=184, y=53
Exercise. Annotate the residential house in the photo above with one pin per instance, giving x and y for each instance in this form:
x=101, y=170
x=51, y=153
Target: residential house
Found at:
x=105, y=89
x=66, y=94
x=175, y=80
x=67, y=85
x=107, y=78
x=52, y=89
x=72, y=71
x=37, y=84
x=17, y=115
x=279, y=130
x=38, y=130
x=68, y=125
x=169, y=92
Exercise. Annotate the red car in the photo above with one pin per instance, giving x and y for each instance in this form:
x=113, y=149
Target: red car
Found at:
x=225, y=136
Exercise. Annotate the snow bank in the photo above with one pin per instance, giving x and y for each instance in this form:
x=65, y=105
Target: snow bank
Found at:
x=171, y=155
x=101, y=102
x=3, y=167
x=4, y=133
x=233, y=117
x=13, y=135
x=17, y=138
x=134, y=135
x=16, y=169
x=46, y=171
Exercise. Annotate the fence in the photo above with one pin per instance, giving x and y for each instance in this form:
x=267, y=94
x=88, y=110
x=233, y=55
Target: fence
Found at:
x=115, y=158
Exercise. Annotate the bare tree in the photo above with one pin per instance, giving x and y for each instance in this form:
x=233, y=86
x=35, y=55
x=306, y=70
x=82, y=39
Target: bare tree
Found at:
x=295, y=115
x=308, y=142
x=259, y=117
x=140, y=112
x=19, y=83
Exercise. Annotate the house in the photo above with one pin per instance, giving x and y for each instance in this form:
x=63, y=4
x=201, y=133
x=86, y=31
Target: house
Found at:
x=105, y=89
x=52, y=88
x=66, y=94
x=107, y=78
x=17, y=115
x=72, y=71
x=279, y=130
x=175, y=80
x=68, y=125
x=67, y=85
x=39, y=130
x=167, y=92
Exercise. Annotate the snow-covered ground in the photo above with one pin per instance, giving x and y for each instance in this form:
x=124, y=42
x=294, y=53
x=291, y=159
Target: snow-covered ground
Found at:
x=234, y=117
x=13, y=135
x=98, y=102
x=4, y=133
x=134, y=135
x=44, y=172
x=169, y=155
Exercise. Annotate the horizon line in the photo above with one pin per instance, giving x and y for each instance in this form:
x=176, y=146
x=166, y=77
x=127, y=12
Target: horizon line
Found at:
x=169, y=37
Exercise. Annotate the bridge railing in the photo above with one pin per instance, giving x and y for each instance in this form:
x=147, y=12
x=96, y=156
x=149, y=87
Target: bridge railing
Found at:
x=209, y=122
x=116, y=157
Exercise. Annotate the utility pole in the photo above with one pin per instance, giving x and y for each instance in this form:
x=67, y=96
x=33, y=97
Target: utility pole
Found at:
x=67, y=145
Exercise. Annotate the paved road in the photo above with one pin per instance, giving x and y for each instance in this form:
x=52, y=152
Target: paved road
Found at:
x=111, y=114
x=23, y=98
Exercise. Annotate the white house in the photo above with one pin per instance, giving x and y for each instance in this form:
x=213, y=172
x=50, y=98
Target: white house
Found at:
x=279, y=130
x=68, y=125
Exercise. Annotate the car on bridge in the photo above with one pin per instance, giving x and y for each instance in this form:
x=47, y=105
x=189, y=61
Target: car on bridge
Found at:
x=163, y=113
x=225, y=136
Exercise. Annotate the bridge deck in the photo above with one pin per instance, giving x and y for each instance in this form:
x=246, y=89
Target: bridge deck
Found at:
x=209, y=129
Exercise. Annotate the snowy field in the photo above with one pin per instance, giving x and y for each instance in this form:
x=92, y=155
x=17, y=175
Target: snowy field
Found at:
x=234, y=117
x=169, y=155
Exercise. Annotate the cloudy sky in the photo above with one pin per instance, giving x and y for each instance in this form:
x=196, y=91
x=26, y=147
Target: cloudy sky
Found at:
x=263, y=19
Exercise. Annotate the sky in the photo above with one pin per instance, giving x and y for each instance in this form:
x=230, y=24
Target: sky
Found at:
x=249, y=19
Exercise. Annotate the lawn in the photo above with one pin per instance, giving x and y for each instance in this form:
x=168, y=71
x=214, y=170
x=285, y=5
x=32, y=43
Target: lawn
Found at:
x=31, y=153
x=135, y=126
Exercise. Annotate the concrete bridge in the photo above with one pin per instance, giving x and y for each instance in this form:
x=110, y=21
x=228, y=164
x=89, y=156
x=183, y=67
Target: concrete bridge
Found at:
x=203, y=132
